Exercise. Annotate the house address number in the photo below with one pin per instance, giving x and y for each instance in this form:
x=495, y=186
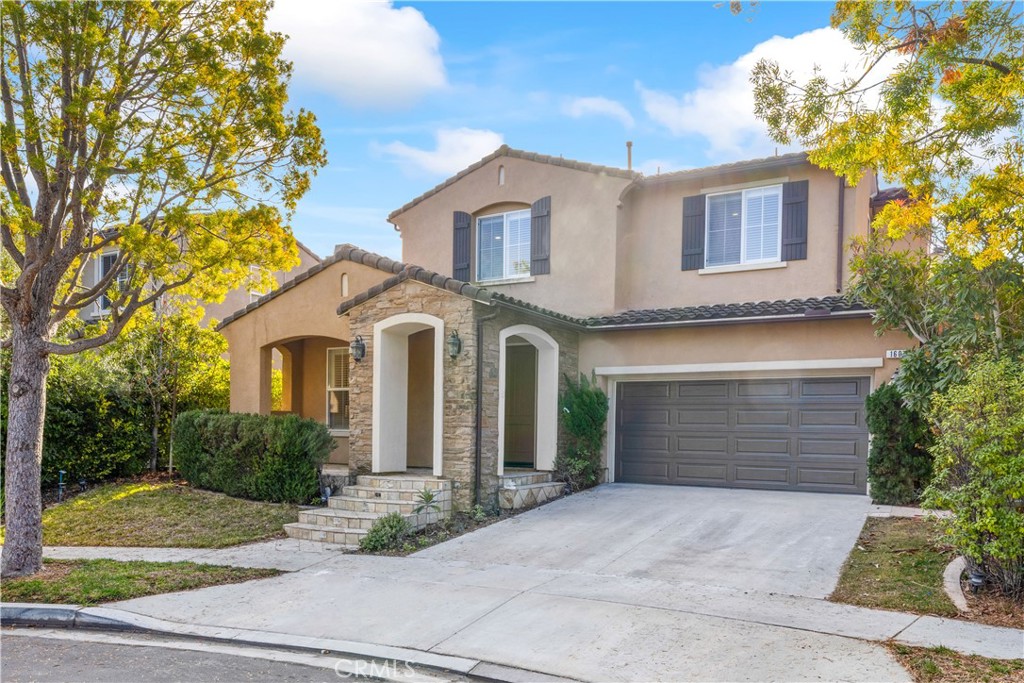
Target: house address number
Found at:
x=894, y=353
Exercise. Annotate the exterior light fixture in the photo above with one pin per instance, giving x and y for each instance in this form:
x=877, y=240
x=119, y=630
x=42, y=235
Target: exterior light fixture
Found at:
x=454, y=344
x=976, y=580
x=358, y=349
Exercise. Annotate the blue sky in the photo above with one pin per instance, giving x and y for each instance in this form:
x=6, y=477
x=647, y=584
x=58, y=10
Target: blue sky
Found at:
x=408, y=93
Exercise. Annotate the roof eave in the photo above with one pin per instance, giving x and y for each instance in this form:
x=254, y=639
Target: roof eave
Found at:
x=793, y=317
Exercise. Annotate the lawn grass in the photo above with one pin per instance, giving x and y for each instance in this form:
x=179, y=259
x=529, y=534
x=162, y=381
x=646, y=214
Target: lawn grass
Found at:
x=90, y=582
x=897, y=564
x=161, y=514
x=942, y=665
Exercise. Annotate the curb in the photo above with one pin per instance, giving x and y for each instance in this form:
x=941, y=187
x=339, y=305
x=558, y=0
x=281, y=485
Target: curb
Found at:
x=951, y=583
x=108, y=619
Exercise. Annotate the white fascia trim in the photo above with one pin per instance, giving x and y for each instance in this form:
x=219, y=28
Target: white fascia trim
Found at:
x=745, y=366
x=744, y=186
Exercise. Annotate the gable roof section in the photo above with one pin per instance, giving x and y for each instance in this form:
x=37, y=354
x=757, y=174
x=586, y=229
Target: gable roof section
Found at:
x=777, y=161
x=343, y=252
x=506, y=151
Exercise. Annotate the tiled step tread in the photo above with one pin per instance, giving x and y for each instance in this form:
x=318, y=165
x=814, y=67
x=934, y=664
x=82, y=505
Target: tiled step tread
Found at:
x=543, y=484
x=350, y=502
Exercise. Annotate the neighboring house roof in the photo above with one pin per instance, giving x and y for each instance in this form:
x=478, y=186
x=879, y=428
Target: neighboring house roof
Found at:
x=791, y=309
x=889, y=194
x=506, y=151
x=309, y=251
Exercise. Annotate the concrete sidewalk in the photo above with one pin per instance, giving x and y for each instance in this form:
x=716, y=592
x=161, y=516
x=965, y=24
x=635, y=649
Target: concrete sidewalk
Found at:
x=584, y=626
x=286, y=554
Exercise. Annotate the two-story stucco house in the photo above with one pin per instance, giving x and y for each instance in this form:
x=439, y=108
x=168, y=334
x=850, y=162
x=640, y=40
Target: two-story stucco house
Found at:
x=708, y=304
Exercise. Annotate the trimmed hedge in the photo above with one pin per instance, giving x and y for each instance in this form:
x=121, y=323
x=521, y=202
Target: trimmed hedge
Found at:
x=899, y=464
x=275, y=458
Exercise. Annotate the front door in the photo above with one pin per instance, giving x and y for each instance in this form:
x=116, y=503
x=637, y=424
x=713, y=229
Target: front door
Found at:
x=521, y=406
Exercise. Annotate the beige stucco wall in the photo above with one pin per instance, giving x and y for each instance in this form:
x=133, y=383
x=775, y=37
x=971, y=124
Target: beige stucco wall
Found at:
x=583, y=226
x=649, y=244
x=303, y=312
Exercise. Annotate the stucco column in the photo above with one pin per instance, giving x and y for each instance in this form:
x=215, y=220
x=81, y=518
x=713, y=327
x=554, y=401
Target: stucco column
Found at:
x=266, y=365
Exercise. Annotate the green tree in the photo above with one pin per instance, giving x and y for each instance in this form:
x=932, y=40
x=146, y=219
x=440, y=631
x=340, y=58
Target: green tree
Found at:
x=156, y=128
x=171, y=363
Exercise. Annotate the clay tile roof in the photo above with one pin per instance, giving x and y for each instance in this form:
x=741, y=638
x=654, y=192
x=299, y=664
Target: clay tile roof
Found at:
x=784, y=309
x=506, y=151
x=889, y=194
x=778, y=160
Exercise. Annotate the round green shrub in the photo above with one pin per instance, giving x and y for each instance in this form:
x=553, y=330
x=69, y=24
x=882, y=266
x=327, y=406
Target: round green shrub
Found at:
x=387, y=533
x=899, y=464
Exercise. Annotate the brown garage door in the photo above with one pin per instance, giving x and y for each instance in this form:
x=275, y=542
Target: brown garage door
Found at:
x=804, y=434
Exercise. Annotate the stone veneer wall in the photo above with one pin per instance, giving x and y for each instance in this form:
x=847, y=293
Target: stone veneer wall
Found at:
x=458, y=313
x=459, y=379
x=568, y=365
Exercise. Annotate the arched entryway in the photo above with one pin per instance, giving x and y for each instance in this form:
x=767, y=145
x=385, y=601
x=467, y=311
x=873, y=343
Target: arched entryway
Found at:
x=527, y=398
x=408, y=370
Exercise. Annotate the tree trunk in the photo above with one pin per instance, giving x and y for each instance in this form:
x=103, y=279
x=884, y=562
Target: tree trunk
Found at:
x=23, y=541
x=154, y=446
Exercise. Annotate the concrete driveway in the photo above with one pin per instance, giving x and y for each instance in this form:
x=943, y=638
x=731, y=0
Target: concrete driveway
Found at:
x=622, y=583
x=767, y=541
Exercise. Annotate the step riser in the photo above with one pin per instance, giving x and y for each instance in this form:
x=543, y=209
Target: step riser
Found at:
x=403, y=483
x=336, y=537
x=370, y=493
x=334, y=521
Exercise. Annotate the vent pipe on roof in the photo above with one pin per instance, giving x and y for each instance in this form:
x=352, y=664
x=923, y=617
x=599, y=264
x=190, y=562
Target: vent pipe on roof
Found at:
x=629, y=155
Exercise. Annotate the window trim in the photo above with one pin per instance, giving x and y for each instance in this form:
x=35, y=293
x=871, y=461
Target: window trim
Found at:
x=328, y=388
x=98, y=272
x=742, y=191
x=505, y=277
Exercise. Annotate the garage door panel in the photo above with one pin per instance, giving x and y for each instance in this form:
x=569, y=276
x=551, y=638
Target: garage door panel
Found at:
x=746, y=417
x=705, y=473
x=701, y=390
x=827, y=477
x=702, y=418
x=830, y=418
x=823, y=389
x=845, y=449
x=702, y=445
x=751, y=474
x=794, y=434
x=773, y=448
x=764, y=390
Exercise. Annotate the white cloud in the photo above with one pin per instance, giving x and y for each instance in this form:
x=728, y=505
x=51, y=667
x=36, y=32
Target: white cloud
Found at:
x=455, y=149
x=363, y=53
x=721, y=108
x=598, y=106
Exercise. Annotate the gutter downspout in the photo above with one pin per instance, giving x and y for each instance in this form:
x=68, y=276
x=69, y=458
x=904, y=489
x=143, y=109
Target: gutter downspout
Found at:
x=478, y=427
x=842, y=235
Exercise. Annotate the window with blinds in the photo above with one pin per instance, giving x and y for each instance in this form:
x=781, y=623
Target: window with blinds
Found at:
x=503, y=246
x=337, y=388
x=744, y=226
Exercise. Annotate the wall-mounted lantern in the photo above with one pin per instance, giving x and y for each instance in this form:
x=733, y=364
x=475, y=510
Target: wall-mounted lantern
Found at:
x=358, y=349
x=454, y=344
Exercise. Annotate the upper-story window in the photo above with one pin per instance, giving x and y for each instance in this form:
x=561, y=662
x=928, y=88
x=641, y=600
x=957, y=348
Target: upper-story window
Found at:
x=503, y=245
x=106, y=262
x=744, y=226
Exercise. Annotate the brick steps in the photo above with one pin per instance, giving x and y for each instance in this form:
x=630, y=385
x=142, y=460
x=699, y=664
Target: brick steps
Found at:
x=348, y=516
